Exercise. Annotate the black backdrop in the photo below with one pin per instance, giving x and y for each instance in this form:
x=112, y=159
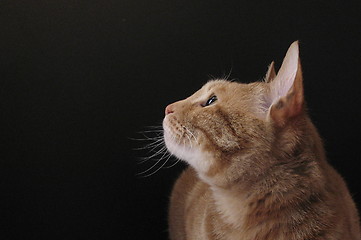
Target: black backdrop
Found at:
x=79, y=79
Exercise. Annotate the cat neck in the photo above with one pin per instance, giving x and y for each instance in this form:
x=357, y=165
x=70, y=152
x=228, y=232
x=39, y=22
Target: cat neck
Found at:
x=280, y=194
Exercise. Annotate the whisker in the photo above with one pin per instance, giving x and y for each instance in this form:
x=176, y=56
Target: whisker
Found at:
x=158, y=135
x=165, y=162
x=192, y=135
x=159, y=152
x=226, y=77
x=145, y=138
x=141, y=173
x=155, y=127
x=150, y=148
x=157, y=142
x=173, y=164
x=160, y=159
x=152, y=131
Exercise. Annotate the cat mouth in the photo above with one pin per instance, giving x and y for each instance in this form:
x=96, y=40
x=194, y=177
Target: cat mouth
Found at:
x=179, y=140
x=177, y=133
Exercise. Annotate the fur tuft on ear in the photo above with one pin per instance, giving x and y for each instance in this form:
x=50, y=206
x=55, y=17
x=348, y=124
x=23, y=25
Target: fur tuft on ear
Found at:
x=286, y=90
x=271, y=73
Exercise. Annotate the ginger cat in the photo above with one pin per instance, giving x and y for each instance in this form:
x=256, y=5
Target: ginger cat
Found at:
x=257, y=165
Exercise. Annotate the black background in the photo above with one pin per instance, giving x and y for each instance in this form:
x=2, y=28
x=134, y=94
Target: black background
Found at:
x=79, y=79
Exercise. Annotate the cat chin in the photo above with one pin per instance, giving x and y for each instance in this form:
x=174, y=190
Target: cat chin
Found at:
x=192, y=155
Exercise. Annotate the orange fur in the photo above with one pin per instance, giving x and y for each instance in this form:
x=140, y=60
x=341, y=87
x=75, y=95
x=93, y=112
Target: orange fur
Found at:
x=257, y=165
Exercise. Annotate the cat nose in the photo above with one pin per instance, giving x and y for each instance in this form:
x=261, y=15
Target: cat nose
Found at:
x=169, y=109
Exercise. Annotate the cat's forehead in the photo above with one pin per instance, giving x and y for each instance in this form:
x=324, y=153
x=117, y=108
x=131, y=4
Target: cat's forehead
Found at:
x=217, y=85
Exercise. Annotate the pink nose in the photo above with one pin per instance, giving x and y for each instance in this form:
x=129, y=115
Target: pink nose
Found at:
x=169, y=109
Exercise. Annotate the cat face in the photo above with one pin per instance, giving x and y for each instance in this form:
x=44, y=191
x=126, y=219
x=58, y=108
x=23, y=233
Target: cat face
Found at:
x=219, y=120
x=216, y=128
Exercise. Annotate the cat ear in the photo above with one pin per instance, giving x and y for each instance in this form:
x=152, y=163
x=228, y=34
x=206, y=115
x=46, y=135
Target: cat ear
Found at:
x=286, y=90
x=271, y=73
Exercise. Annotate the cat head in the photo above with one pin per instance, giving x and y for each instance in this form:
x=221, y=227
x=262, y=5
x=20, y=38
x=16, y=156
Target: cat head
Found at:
x=224, y=123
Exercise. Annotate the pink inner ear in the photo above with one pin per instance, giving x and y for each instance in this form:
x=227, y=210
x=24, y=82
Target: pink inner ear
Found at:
x=283, y=82
x=282, y=85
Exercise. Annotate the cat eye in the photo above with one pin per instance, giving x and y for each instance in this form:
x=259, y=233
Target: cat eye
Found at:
x=210, y=101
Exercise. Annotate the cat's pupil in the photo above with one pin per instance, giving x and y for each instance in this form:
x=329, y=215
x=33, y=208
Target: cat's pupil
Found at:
x=211, y=100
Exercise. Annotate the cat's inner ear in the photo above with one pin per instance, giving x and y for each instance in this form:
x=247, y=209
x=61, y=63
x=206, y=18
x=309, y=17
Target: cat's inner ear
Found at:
x=286, y=90
x=271, y=73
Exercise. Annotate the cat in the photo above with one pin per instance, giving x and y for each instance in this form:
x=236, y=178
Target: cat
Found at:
x=257, y=167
